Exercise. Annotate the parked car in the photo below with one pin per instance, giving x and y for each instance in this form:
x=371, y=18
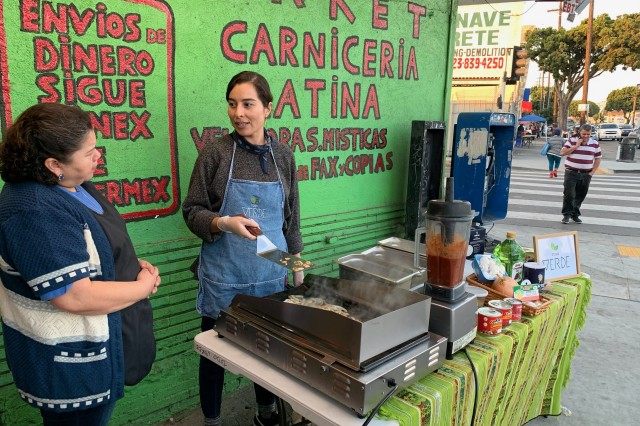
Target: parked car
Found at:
x=625, y=129
x=609, y=131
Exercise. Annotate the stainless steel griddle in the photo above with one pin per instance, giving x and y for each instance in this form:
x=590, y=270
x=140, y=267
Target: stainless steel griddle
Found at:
x=355, y=360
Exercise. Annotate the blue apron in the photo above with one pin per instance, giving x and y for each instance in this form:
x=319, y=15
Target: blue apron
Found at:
x=230, y=266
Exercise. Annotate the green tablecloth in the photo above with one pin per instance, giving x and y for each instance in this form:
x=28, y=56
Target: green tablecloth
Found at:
x=521, y=373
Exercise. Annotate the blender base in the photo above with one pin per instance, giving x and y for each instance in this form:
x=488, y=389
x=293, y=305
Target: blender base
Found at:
x=447, y=294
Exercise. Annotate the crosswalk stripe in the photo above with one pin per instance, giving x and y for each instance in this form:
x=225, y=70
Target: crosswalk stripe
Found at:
x=603, y=221
x=532, y=182
x=558, y=193
x=562, y=171
x=558, y=205
x=545, y=176
x=612, y=203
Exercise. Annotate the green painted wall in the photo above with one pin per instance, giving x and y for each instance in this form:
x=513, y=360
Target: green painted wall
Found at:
x=348, y=77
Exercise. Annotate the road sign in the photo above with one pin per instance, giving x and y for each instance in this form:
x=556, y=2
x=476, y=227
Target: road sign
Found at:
x=573, y=8
x=582, y=5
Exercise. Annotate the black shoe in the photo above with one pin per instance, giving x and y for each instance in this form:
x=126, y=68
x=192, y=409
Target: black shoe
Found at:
x=266, y=421
x=576, y=219
x=565, y=219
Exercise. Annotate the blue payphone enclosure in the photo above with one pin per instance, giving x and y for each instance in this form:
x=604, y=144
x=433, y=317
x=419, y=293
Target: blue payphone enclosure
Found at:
x=481, y=162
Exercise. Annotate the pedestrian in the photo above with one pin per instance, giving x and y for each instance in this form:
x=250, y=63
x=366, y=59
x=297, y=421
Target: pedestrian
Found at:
x=583, y=158
x=519, y=135
x=553, y=153
x=246, y=178
x=68, y=268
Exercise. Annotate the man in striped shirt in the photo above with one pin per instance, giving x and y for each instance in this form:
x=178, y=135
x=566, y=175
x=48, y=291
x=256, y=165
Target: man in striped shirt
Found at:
x=583, y=158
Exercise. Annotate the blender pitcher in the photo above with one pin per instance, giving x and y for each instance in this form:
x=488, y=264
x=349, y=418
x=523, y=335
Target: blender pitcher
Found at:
x=448, y=226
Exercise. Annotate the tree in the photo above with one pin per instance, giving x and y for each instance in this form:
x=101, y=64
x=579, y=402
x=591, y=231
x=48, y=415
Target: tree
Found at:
x=621, y=100
x=539, y=98
x=546, y=113
x=562, y=53
x=573, y=109
x=599, y=117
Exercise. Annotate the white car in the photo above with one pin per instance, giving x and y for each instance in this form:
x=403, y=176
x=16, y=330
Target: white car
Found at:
x=609, y=131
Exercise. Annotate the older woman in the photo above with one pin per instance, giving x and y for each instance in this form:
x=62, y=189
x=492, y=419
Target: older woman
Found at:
x=67, y=267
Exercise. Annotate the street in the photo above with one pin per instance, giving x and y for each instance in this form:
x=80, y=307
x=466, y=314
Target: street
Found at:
x=536, y=200
x=611, y=207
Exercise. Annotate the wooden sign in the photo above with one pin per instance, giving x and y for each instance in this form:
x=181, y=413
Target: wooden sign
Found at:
x=559, y=253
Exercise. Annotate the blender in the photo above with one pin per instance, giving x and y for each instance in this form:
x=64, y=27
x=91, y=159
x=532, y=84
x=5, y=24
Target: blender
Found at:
x=447, y=231
x=448, y=226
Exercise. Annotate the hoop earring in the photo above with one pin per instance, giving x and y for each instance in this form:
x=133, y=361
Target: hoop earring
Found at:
x=61, y=177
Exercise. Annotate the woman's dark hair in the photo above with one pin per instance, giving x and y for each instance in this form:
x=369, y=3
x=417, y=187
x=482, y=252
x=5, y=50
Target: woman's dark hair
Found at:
x=258, y=81
x=40, y=132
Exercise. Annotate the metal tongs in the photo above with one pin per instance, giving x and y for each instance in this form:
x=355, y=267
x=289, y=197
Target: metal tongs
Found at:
x=267, y=250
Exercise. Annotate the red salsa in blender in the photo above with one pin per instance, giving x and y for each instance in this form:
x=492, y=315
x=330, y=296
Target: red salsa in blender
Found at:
x=445, y=262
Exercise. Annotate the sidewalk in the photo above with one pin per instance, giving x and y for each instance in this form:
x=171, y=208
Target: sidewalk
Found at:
x=604, y=373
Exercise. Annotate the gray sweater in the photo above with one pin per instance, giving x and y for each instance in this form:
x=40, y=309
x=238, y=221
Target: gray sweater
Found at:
x=555, y=145
x=209, y=181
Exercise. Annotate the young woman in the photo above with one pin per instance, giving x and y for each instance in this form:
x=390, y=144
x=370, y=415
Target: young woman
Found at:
x=67, y=267
x=244, y=178
x=553, y=153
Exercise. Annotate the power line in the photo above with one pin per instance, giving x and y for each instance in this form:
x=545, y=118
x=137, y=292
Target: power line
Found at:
x=513, y=14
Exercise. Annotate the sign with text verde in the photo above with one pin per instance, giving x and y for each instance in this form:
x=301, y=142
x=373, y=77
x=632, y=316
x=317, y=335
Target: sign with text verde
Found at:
x=559, y=253
x=113, y=60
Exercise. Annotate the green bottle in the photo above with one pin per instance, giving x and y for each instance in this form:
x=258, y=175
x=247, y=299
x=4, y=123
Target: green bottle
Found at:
x=511, y=254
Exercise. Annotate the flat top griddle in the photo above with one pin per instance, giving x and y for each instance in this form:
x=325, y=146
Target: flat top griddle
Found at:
x=384, y=320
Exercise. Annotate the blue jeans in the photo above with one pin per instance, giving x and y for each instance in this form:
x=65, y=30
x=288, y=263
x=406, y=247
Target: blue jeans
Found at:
x=212, y=382
x=576, y=186
x=98, y=416
x=554, y=162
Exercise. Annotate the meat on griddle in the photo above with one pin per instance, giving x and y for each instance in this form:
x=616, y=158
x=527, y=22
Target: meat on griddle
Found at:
x=317, y=302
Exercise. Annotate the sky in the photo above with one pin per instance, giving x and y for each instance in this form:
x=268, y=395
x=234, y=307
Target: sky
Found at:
x=599, y=87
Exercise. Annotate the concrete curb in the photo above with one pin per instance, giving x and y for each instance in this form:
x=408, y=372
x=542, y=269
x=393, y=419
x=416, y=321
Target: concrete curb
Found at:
x=615, y=172
x=603, y=171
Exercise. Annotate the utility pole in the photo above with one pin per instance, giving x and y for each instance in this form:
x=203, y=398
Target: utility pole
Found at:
x=548, y=90
x=540, y=91
x=555, y=95
x=633, y=114
x=587, y=64
x=543, y=92
x=503, y=89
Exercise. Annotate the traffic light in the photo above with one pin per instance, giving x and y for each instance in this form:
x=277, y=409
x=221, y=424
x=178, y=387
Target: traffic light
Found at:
x=519, y=64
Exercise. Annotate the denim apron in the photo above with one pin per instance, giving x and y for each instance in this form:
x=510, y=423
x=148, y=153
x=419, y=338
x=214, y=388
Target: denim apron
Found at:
x=230, y=266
